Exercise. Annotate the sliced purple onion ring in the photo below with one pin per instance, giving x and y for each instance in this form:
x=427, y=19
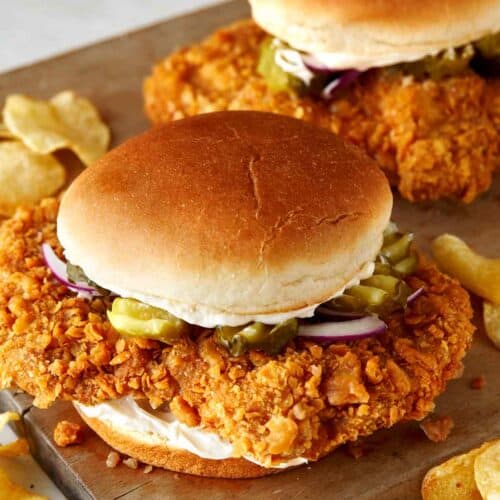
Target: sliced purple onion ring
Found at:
x=58, y=268
x=317, y=66
x=414, y=295
x=344, y=79
x=343, y=330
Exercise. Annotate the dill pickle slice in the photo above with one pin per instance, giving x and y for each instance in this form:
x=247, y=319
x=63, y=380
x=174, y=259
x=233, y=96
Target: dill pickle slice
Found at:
x=276, y=78
x=383, y=268
x=489, y=46
x=132, y=318
x=346, y=303
x=487, y=60
x=406, y=266
x=449, y=62
x=370, y=295
x=257, y=336
x=384, y=282
x=398, y=250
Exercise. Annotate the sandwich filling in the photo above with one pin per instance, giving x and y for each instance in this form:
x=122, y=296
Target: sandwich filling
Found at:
x=159, y=427
x=201, y=315
x=285, y=68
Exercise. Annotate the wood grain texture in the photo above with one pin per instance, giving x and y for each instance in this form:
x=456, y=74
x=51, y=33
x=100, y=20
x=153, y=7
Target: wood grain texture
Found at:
x=111, y=74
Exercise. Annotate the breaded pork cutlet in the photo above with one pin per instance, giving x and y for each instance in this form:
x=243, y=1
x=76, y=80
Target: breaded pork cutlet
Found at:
x=434, y=138
x=56, y=346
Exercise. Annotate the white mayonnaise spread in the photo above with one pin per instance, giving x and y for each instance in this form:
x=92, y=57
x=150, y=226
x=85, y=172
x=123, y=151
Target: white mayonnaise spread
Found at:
x=162, y=428
x=290, y=60
x=210, y=318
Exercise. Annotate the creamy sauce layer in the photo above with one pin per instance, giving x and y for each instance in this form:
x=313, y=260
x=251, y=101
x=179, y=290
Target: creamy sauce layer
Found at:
x=163, y=428
x=210, y=318
x=290, y=60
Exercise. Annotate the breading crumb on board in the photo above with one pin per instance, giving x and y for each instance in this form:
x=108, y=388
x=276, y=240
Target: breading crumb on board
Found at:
x=56, y=346
x=437, y=428
x=148, y=469
x=433, y=139
x=68, y=433
x=131, y=463
x=113, y=459
x=478, y=383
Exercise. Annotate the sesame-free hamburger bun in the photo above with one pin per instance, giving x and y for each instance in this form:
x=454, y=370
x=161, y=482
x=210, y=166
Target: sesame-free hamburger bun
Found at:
x=227, y=217
x=377, y=33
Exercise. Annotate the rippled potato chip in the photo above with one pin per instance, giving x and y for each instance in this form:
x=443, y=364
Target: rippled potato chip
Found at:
x=16, y=448
x=491, y=316
x=5, y=132
x=26, y=177
x=453, y=479
x=8, y=416
x=487, y=472
x=12, y=491
x=66, y=121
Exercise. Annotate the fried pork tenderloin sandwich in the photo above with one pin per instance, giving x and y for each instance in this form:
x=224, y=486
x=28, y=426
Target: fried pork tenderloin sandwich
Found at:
x=226, y=296
x=412, y=82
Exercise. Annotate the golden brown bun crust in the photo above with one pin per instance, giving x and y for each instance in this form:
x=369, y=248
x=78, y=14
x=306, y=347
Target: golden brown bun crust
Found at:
x=372, y=26
x=176, y=460
x=242, y=212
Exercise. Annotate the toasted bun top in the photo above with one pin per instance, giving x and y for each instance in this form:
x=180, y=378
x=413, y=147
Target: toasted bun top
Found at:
x=236, y=212
x=406, y=28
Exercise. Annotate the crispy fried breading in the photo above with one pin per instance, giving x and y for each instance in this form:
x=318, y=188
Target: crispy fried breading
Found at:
x=434, y=139
x=304, y=402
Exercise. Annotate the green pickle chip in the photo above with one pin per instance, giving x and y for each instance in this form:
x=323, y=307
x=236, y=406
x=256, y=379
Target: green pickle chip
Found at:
x=276, y=78
x=132, y=318
x=257, y=336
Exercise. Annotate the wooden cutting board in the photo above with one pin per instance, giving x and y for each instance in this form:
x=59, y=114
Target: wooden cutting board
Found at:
x=111, y=74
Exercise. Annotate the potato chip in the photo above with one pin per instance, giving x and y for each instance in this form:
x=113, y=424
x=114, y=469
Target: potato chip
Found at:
x=477, y=273
x=453, y=479
x=491, y=316
x=487, y=472
x=8, y=416
x=12, y=491
x=15, y=449
x=26, y=177
x=4, y=132
x=67, y=121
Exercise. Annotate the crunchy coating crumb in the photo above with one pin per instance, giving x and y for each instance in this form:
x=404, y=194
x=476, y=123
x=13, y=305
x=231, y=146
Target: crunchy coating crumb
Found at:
x=478, y=383
x=356, y=449
x=433, y=139
x=54, y=345
x=148, y=469
x=68, y=433
x=113, y=459
x=437, y=428
x=131, y=463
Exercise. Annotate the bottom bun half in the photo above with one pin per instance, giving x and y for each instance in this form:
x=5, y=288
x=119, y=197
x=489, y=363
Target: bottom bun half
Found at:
x=174, y=459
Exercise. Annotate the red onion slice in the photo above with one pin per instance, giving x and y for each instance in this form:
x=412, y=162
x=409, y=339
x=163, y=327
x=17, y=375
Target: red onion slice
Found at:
x=344, y=80
x=343, y=330
x=58, y=268
x=414, y=295
x=317, y=66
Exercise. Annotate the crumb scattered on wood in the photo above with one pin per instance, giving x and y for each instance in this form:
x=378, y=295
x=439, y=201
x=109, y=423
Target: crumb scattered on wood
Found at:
x=356, y=449
x=131, y=463
x=68, y=433
x=113, y=459
x=148, y=469
x=478, y=383
x=437, y=428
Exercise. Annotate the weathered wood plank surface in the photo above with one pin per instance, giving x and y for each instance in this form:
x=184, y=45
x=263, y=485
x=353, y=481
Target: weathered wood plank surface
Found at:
x=111, y=73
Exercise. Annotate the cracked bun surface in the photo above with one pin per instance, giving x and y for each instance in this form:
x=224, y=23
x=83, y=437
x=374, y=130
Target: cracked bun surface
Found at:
x=234, y=212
